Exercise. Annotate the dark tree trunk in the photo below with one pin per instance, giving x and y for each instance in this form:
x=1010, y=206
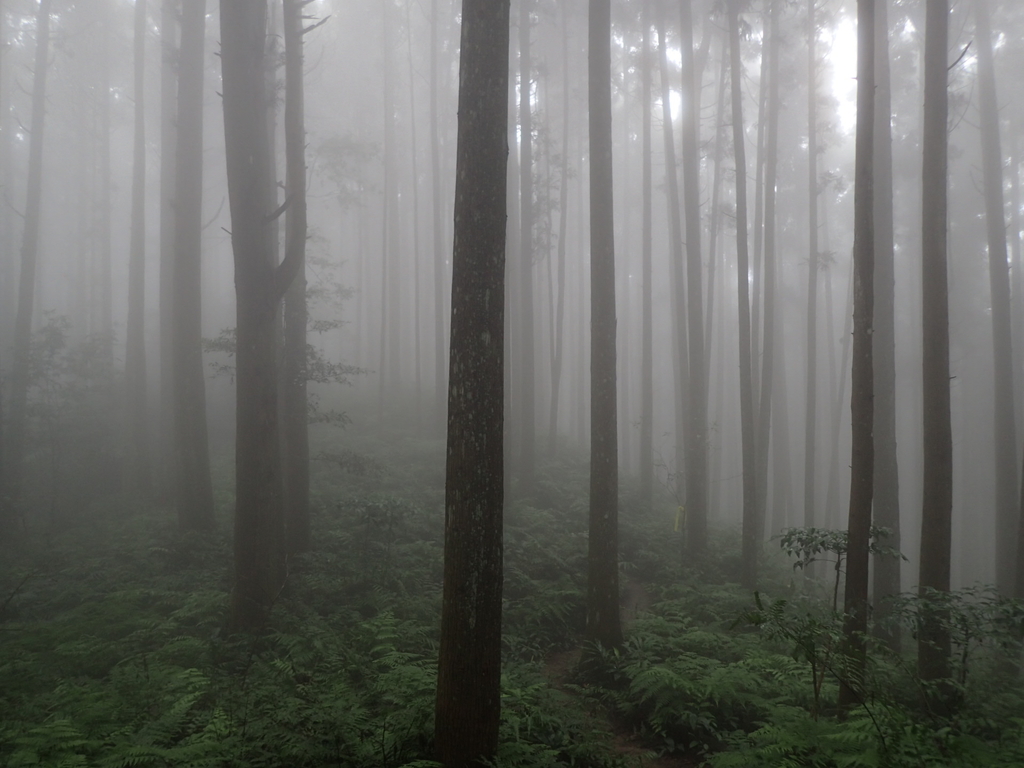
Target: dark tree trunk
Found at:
x=14, y=464
x=194, y=488
x=295, y=426
x=469, y=665
x=811, y=391
x=527, y=416
x=169, y=10
x=933, y=642
x=415, y=182
x=764, y=410
x=751, y=539
x=260, y=284
x=647, y=323
x=887, y=498
x=697, y=424
x=137, y=470
x=1005, y=425
x=862, y=379
x=603, y=625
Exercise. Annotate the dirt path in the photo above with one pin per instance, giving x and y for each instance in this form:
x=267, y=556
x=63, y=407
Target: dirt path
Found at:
x=561, y=666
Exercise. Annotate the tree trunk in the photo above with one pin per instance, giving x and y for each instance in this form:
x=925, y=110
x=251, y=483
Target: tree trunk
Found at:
x=259, y=287
x=1005, y=426
x=771, y=151
x=414, y=152
x=647, y=328
x=14, y=464
x=194, y=488
x=697, y=425
x=603, y=625
x=105, y=325
x=295, y=427
x=680, y=353
x=811, y=391
x=137, y=470
x=862, y=378
x=933, y=643
x=886, y=496
x=558, y=351
x=469, y=666
x=169, y=11
x=437, y=224
x=751, y=539
x=527, y=404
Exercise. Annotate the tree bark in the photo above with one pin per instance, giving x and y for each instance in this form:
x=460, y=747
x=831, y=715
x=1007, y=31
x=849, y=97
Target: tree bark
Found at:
x=862, y=377
x=1005, y=424
x=137, y=469
x=751, y=539
x=469, y=666
x=260, y=284
x=811, y=391
x=527, y=403
x=194, y=487
x=295, y=427
x=603, y=625
x=886, y=492
x=15, y=436
x=697, y=424
x=937, y=501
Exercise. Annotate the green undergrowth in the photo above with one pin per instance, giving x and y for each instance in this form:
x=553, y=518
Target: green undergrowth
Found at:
x=113, y=653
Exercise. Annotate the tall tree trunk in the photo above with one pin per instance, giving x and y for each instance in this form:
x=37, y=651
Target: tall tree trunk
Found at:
x=887, y=497
x=295, y=427
x=811, y=391
x=414, y=152
x=771, y=151
x=680, y=353
x=437, y=223
x=527, y=417
x=194, y=488
x=757, y=272
x=647, y=314
x=716, y=201
x=603, y=625
x=1005, y=429
x=469, y=667
x=106, y=319
x=260, y=284
x=933, y=644
x=697, y=426
x=557, y=353
x=14, y=465
x=137, y=470
x=751, y=539
x=169, y=12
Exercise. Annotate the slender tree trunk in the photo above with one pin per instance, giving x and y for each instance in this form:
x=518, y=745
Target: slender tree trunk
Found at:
x=811, y=391
x=414, y=152
x=771, y=151
x=194, y=488
x=558, y=354
x=295, y=427
x=603, y=625
x=1005, y=429
x=697, y=425
x=106, y=319
x=260, y=284
x=937, y=501
x=14, y=465
x=137, y=470
x=862, y=380
x=887, y=498
x=751, y=539
x=680, y=353
x=647, y=322
x=469, y=665
x=527, y=417
x=169, y=11
x=716, y=202
x=437, y=224
x=757, y=272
